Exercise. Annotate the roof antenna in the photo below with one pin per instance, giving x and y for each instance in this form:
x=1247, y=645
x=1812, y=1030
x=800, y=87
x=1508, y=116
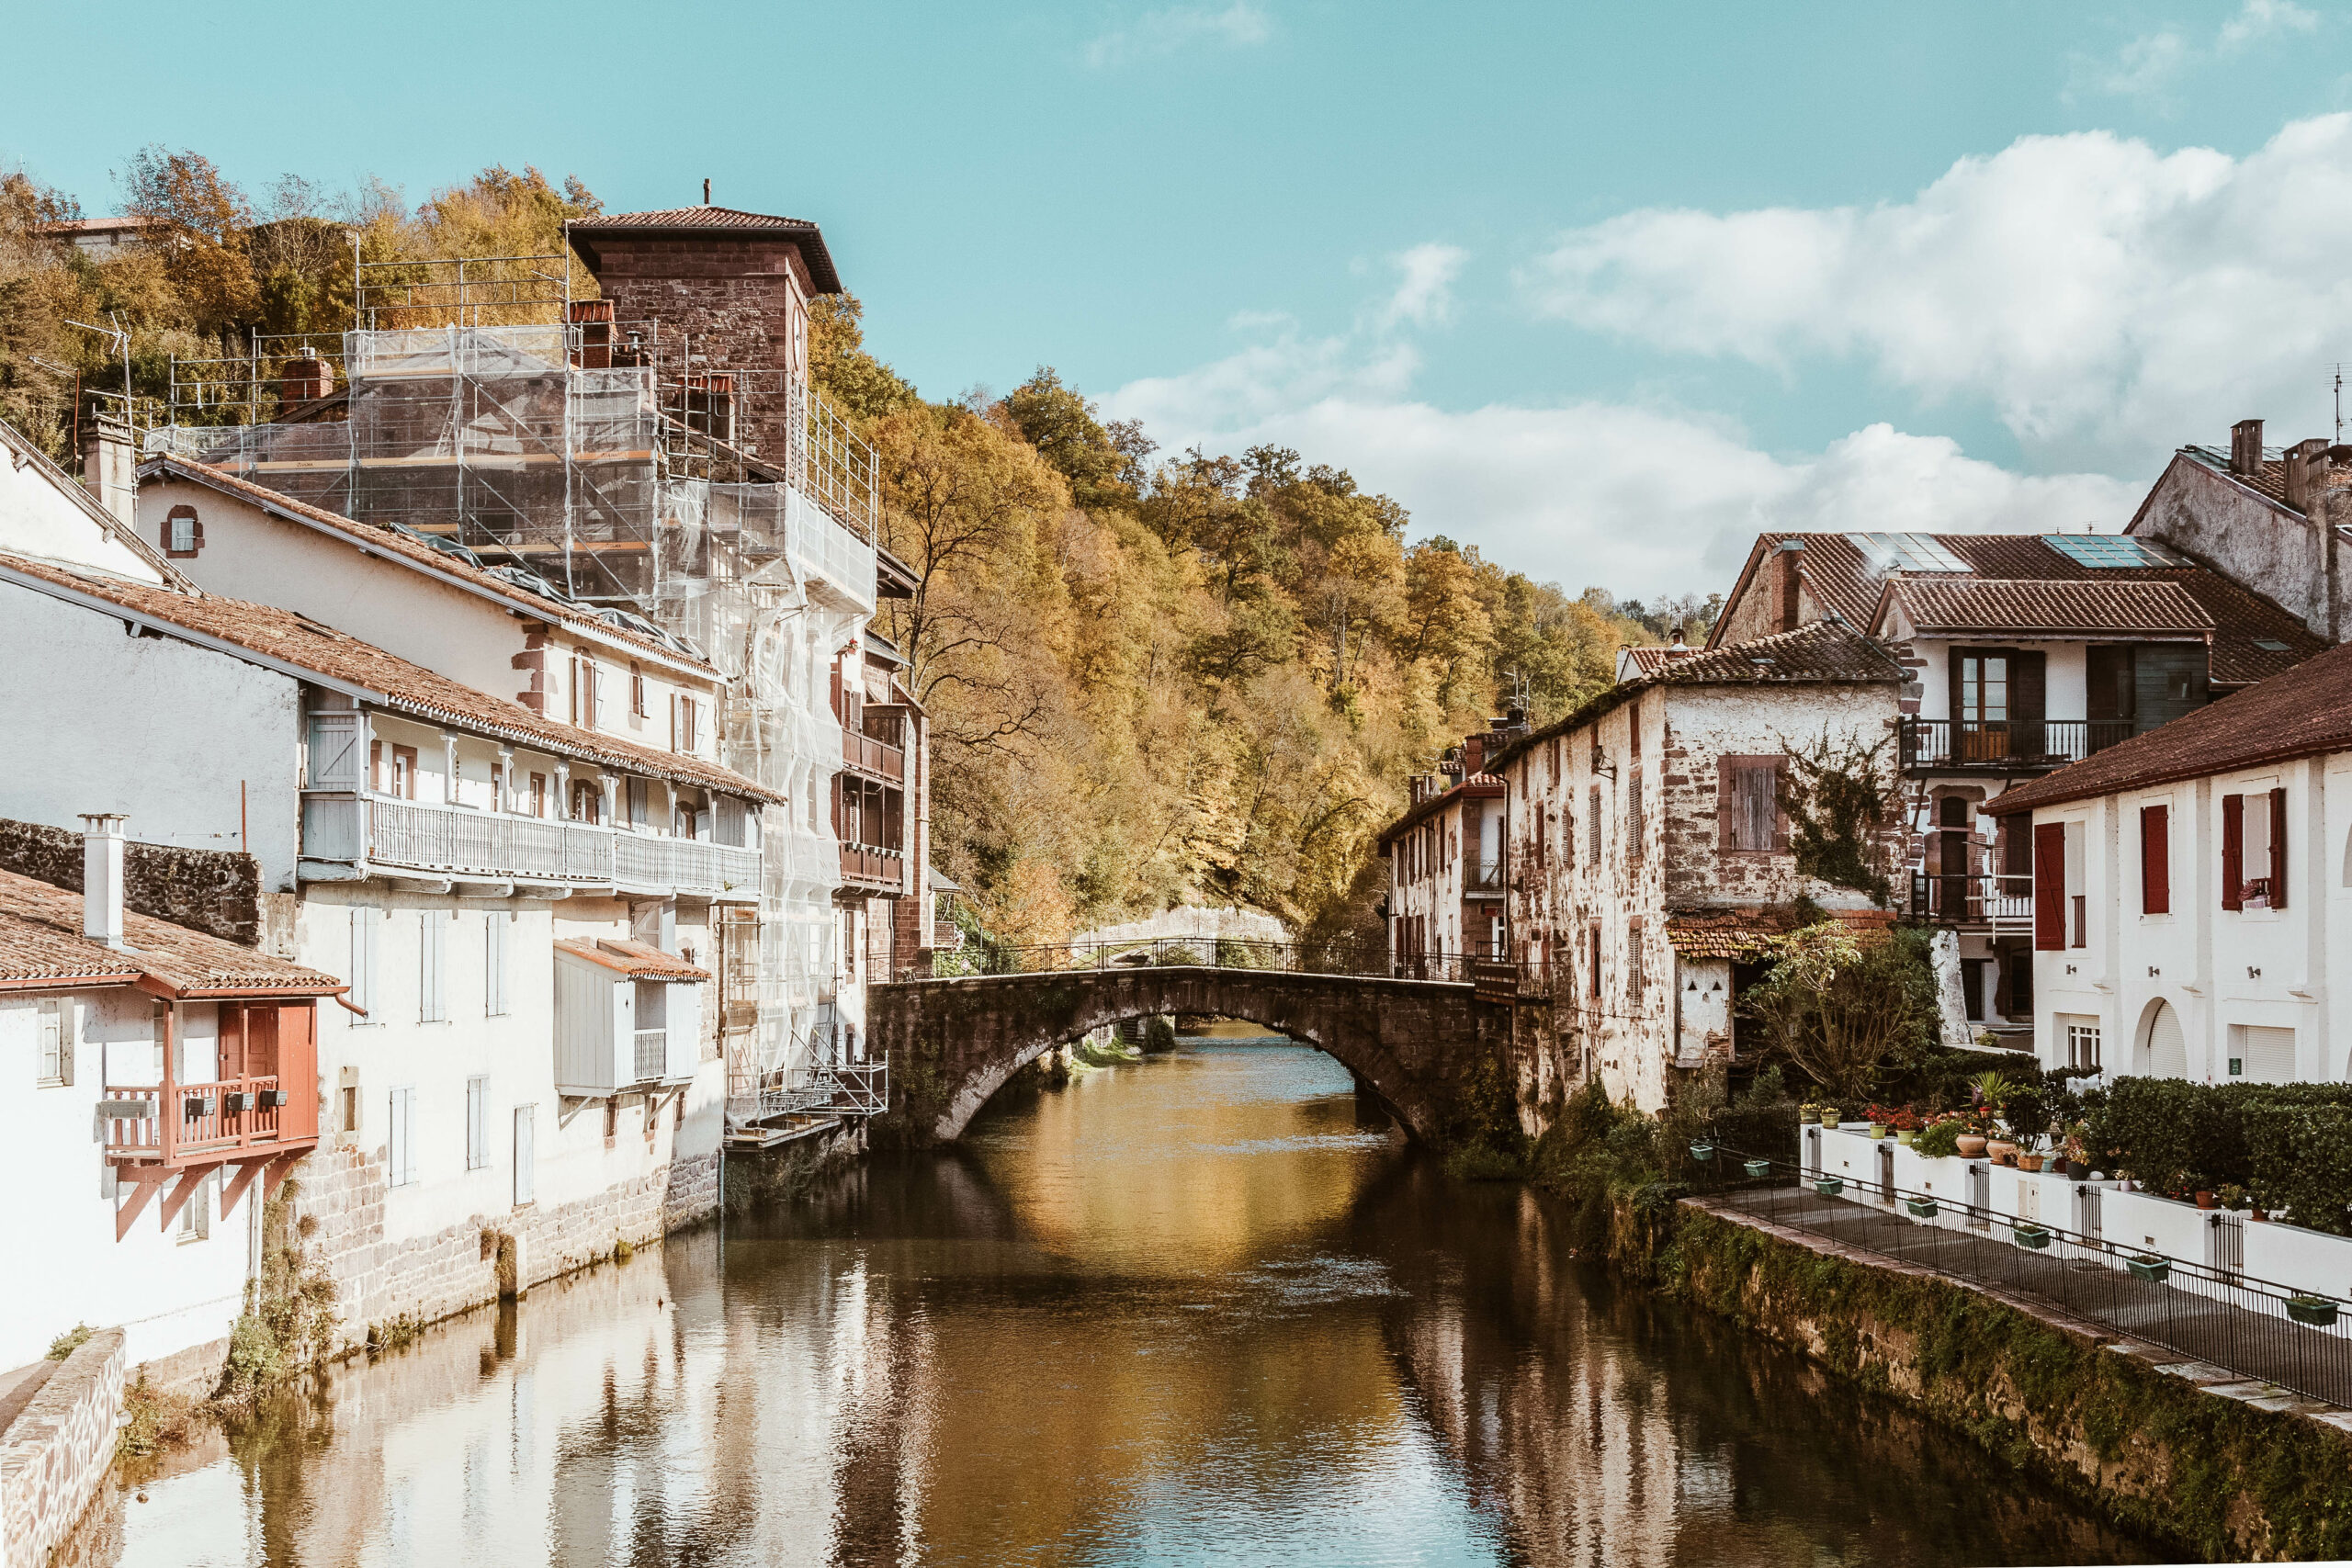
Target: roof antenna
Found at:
x=705, y=193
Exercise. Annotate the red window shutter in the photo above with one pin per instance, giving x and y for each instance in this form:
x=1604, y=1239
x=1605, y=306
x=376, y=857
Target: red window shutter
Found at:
x=2049, y=885
x=2155, y=860
x=2277, y=849
x=2232, y=851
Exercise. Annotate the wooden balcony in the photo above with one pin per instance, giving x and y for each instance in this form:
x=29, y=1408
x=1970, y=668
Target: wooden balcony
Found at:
x=260, y=1115
x=875, y=759
x=873, y=868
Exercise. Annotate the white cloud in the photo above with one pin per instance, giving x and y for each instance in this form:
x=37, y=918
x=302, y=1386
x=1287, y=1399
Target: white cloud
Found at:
x=2145, y=67
x=1643, y=501
x=1155, y=33
x=2108, y=301
x=1425, y=294
x=2264, y=18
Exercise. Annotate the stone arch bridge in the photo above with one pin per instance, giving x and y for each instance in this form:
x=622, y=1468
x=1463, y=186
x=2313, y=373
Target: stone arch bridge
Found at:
x=1418, y=1044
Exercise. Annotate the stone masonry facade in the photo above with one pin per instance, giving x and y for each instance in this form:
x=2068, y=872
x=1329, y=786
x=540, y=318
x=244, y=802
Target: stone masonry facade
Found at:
x=217, y=891
x=380, y=1281
x=54, y=1455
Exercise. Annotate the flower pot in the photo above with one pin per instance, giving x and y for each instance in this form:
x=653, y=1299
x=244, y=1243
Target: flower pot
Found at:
x=1759, y=1168
x=1921, y=1208
x=1971, y=1144
x=2078, y=1171
x=2030, y=1162
x=1808, y=1115
x=2313, y=1312
x=1906, y=1134
x=2001, y=1151
x=1830, y=1186
x=2263, y=1215
x=1703, y=1151
x=2151, y=1268
x=2033, y=1237
x=2207, y=1200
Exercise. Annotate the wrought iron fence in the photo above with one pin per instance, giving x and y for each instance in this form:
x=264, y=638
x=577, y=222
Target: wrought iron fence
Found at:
x=1370, y=960
x=2007, y=743
x=2221, y=1317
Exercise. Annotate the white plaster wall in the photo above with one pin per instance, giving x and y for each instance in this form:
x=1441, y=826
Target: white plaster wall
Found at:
x=38, y=518
x=393, y=1048
x=167, y=1293
x=92, y=720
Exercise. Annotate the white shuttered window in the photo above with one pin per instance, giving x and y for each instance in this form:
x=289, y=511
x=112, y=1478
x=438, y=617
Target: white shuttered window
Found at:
x=476, y=1122
x=525, y=1157
x=400, y=1161
x=432, y=956
x=498, y=931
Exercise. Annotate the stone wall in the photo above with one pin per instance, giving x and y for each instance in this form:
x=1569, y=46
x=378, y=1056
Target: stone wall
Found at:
x=214, y=891
x=380, y=1283
x=54, y=1456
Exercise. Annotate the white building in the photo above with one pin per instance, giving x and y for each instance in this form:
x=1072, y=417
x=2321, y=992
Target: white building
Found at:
x=2193, y=891
x=527, y=911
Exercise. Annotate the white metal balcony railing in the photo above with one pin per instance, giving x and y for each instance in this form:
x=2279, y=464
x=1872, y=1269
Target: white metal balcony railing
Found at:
x=455, y=841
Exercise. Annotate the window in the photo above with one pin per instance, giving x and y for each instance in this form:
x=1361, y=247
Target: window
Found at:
x=2253, y=850
x=2077, y=883
x=183, y=532
x=351, y=1108
x=404, y=771
x=432, y=966
x=592, y=691
x=2049, y=887
x=635, y=691
x=1635, y=974
x=2082, y=1042
x=689, y=724
x=497, y=933
x=1593, y=988
x=1749, y=804
x=1592, y=820
x=587, y=801
x=399, y=1151
x=376, y=766
x=2110, y=550
x=525, y=1159
x=498, y=786
x=56, y=1042
x=2262, y=1054
x=538, y=794
x=365, y=925
x=476, y=1122
x=196, y=1216
x=1634, y=819
x=2155, y=860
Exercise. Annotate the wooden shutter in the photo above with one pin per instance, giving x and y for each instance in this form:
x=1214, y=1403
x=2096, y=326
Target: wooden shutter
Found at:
x=2232, y=851
x=2049, y=885
x=2277, y=849
x=526, y=1155
x=2155, y=860
x=297, y=1069
x=2029, y=685
x=1770, y=808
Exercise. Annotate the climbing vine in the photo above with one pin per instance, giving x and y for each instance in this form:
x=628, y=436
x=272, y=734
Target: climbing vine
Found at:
x=1842, y=802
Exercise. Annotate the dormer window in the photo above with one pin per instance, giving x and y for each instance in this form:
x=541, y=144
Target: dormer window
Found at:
x=183, y=532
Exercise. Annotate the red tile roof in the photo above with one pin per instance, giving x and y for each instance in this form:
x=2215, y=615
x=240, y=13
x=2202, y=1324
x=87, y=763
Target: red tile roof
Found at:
x=42, y=948
x=1750, y=934
x=1478, y=786
x=1841, y=578
x=2045, y=609
x=413, y=551
x=583, y=233
x=339, y=658
x=633, y=958
x=2306, y=712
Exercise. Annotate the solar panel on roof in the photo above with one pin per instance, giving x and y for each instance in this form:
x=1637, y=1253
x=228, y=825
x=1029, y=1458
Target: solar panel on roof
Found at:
x=1906, y=552
x=2110, y=550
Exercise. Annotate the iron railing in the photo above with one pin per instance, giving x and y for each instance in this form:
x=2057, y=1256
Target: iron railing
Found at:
x=2219, y=1315
x=2005, y=745
x=1961, y=900
x=1366, y=960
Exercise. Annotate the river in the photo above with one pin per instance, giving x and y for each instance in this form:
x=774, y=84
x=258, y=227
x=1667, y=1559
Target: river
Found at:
x=1200, y=1309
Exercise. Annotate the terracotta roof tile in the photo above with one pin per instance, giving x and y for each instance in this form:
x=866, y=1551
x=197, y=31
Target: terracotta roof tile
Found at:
x=633, y=958
x=416, y=552
x=2305, y=712
x=320, y=649
x=1478, y=786
x=2046, y=609
x=1750, y=934
x=1840, y=578
x=41, y=940
x=584, y=231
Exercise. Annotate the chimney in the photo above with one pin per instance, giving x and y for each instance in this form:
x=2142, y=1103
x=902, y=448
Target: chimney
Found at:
x=2246, y=447
x=705, y=193
x=2306, y=472
x=594, y=320
x=102, y=844
x=1473, y=754
x=1678, y=648
x=306, y=378
x=110, y=465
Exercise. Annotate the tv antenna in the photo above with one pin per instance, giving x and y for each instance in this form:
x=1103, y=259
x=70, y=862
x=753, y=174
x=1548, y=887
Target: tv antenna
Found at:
x=2339, y=404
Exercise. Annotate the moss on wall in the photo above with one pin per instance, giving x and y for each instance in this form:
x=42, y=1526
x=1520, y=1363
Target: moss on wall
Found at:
x=2152, y=1451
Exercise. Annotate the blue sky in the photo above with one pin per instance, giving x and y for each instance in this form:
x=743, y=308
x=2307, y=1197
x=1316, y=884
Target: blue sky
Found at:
x=1601, y=288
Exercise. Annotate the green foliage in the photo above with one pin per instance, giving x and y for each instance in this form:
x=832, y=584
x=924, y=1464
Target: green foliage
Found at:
x=73, y=1340
x=1939, y=1140
x=289, y=1322
x=154, y=1419
x=1844, y=1011
x=1843, y=801
x=2290, y=1145
x=2299, y=1159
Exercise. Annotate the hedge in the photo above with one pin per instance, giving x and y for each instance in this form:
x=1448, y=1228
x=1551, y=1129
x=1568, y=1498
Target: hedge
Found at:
x=2289, y=1144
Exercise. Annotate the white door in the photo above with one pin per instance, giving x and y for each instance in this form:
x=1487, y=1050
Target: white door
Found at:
x=2168, y=1047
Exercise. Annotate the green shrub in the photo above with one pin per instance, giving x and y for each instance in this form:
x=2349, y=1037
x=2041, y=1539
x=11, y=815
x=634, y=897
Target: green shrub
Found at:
x=73, y=1340
x=2178, y=1136
x=2300, y=1157
x=1938, y=1140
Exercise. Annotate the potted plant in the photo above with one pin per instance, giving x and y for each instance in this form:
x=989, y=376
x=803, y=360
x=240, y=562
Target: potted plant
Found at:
x=2207, y=1197
x=2233, y=1197
x=2313, y=1312
x=1878, y=1116
x=1905, y=1123
x=1829, y=1116
x=2149, y=1266
x=2030, y=1158
x=1921, y=1208
x=1703, y=1151
x=1938, y=1139
x=2077, y=1158
x=1808, y=1113
x=1758, y=1169
x=1971, y=1144
x=1829, y=1186
x=2030, y=1234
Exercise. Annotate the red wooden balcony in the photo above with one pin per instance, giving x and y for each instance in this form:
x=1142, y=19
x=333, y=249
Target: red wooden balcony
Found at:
x=874, y=868
x=260, y=1114
x=878, y=759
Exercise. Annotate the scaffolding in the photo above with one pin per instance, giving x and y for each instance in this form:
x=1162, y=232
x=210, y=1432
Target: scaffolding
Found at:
x=604, y=463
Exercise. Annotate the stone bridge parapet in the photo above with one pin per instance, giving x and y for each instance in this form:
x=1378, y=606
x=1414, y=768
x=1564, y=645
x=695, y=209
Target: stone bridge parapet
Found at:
x=1421, y=1044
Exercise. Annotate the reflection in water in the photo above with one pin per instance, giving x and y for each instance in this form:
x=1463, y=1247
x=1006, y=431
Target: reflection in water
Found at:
x=1200, y=1309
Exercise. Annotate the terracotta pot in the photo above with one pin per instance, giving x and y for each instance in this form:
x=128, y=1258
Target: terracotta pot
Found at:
x=2030, y=1162
x=2003, y=1151
x=2262, y=1214
x=2205, y=1201
x=1972, y=1145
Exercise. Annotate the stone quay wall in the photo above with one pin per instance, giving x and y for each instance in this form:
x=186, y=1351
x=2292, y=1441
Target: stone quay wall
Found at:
x=54, y=1455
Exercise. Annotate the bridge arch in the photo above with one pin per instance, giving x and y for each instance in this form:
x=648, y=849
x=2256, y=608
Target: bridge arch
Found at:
x=953, y=1044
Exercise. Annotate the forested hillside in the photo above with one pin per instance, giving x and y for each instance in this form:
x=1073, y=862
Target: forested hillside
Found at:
x=1154, y=676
